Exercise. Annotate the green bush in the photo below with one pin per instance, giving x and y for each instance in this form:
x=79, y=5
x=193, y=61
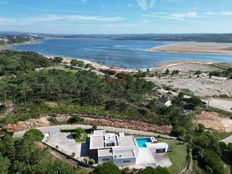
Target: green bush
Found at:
x=150, y=170
x=86, y=160
x=34, y=135
x=213, y=162
x=91, y=161
x=107, y=168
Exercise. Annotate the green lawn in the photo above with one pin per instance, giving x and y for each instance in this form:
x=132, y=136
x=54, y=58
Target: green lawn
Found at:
x=177, y=156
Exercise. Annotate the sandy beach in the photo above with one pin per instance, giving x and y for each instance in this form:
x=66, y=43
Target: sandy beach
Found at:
x=67, y=60
x=182, y=62
x=196, y=47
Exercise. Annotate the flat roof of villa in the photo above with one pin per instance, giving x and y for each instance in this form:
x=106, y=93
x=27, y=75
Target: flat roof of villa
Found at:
x=127, y=141
x=105, y=152
x=96, y=142
x=124, y=154
x=100, y=139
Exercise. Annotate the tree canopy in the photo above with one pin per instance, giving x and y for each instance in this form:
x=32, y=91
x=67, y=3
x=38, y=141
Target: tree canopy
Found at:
x=150, y=170
x=34, y=135
x=22, y=156
x=107, y=168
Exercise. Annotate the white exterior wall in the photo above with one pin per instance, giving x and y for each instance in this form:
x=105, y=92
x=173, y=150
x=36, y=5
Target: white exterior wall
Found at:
x=101, y=159
x=159, y=146
x=125, y=161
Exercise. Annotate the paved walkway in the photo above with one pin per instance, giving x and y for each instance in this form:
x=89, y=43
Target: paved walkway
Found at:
x=227, y=140
x=162, y=160
x=145, y=158
x=53, y=129
x=65, y=143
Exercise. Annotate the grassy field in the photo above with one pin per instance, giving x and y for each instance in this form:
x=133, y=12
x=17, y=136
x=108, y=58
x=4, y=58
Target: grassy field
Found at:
x=177, y=156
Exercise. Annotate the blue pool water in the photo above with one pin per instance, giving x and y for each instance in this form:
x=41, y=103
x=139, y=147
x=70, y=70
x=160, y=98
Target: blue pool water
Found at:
x=142, y=141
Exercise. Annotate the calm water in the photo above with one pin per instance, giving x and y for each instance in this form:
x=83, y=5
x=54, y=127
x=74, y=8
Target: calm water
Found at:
x=142, y=142
x=124, y=53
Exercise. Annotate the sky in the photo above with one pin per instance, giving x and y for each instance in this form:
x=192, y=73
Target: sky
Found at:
x=116, y=16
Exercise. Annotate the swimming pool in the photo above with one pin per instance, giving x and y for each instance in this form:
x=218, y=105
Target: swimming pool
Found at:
x=142, y=142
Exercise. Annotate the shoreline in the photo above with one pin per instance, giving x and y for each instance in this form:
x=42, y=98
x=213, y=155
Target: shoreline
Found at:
x=195, y=48
x=67, y=60
x=5, y=46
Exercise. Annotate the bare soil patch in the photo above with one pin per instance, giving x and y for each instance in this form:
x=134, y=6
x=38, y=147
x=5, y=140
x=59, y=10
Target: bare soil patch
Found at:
x=128, y=124
x=23, y=125
x=216, y=121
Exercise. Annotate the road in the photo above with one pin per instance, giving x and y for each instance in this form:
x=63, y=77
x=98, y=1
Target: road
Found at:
x=222, y=104
x=227, y=140
x=54, y=129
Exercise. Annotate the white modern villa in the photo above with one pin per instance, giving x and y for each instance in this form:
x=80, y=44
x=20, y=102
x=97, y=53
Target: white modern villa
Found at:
x=125, y=150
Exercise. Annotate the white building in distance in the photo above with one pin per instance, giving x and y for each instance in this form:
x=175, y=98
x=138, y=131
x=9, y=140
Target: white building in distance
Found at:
x=123, y=150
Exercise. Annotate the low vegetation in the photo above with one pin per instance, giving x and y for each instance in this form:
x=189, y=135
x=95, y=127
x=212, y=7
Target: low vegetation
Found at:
x=124, y=95
x=224, y=73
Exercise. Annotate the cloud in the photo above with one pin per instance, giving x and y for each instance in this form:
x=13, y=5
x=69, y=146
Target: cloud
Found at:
x=222, y=13
x=174, y=16
x=145, y=4
x=54, y=18
x=210, y=13
x=184, y=15
x=226, y=13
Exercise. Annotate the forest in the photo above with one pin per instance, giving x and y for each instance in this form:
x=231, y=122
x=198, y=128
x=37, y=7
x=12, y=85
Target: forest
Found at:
x=28, y=83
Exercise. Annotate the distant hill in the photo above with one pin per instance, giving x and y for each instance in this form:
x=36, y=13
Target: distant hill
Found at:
x=221, y=38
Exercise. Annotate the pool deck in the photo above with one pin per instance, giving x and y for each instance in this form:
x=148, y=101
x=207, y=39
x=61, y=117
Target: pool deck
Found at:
x=145, y=157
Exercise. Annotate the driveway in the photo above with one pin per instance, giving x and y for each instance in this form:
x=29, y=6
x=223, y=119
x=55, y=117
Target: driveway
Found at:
x=65, y=143
x=109, y=129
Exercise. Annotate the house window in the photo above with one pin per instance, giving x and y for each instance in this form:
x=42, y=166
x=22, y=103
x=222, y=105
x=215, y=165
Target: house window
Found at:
x=160, y=150
x=105, y=159
x=127, y=161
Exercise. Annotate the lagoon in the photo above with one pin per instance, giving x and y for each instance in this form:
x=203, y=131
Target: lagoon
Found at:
x=116, y=53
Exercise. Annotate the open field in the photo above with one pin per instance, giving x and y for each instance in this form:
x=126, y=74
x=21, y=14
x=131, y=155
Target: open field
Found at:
x=195, y=47
x=201, y=85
